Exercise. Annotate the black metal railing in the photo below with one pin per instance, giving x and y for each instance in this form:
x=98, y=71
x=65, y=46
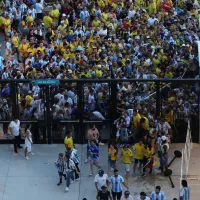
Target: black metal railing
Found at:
x=51, y=130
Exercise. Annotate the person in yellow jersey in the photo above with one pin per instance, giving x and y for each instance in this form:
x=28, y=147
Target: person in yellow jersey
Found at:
x=112, y=158
x=7, y=23
x=69, y=143
x=48, y=22
x=148, y=161
x=23, y=49
x=135, y=120
x=29, y=98
x=54, y=14
x=127, y=159
x=29, y=19
x=64, y=18
x=15, y=44
x=138, y=150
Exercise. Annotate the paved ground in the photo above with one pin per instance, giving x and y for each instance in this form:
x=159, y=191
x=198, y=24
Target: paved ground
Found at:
x=37, y=178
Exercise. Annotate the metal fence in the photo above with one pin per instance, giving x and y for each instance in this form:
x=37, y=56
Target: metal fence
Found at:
x=46, y=129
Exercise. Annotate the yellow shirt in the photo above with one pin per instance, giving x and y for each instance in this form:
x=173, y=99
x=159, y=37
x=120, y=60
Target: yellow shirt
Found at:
x=23, y=49
x=7, y=24
x=54, y=15
x=69, y=142
x=15, y=41
x=29, y=20
x=31, y=50
x=42, y=49
x=126, y=156
x=112, y=155
x=139, y=151
x=28, y=99
x=146, y=124
x=47, y=21
x=96, y=23
x=148, y=152
x=136, y=120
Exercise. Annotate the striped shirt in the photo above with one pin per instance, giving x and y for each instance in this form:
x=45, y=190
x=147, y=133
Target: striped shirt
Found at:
x=185, y=193
x=159, y=196
x=59, y=163
x=116, y=183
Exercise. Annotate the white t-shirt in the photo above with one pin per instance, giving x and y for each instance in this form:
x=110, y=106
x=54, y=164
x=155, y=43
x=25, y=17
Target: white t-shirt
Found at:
x=151, y=21
x=147, y=198
x=38, y=7
x=15, y=127
x=124, y=198
x=101, y=181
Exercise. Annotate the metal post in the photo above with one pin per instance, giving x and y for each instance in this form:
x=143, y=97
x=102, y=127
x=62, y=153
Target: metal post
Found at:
x=14, y=92
x=113, y=103
x=81, y=130
x=48, y=115
x=158, y=103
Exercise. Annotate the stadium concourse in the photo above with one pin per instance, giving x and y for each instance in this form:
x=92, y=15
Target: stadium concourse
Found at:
x=37, y=178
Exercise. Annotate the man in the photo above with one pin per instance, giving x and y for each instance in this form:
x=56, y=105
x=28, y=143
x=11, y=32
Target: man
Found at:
x=139, y=150
x=69, y=144
x=14, y=127
x=92, y=134
x=126, y=196
x=104, y=194
x=164, y=127
x=157, y=194
x=143, y=196
x=164, y=154
x=126, y=159
x=117, y=181
x=185, y=191
x=100, y=180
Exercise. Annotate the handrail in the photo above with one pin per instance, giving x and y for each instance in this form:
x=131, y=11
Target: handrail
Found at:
x=180, y=77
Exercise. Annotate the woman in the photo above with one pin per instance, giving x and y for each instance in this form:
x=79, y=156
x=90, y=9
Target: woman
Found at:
x=112, y=158
x=28, y=142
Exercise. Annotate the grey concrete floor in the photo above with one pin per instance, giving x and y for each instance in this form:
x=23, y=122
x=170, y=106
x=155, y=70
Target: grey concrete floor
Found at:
x=36, y=178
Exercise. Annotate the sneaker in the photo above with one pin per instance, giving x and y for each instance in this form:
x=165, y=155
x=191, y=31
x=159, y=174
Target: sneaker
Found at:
x=27, y=158
x=59, y=183
x=71, y=181
x=32, y=153
x=90, y=174
x=66, y=189
x=143, y=175
x=101, y=144
x=86, y=161
x=77, y=179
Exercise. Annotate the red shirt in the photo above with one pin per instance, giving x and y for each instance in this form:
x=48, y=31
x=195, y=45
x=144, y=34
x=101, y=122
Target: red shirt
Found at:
x=166, y=6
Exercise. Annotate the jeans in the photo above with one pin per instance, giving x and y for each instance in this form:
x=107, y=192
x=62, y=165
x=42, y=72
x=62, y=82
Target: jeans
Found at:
x=17, y=142
x=69, y=175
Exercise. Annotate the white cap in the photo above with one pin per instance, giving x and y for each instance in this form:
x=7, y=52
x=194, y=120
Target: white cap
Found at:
x=62, y=22
x=64, y=15
x=183, y=45
x=70, y=71
x=99, y=66
x=163, y=138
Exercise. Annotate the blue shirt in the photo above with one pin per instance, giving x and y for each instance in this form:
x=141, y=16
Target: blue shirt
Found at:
x=116, y=183
x=94, y=152
x=159, y=196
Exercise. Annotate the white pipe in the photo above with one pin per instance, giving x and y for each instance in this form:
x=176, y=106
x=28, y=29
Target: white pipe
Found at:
x=198, y=45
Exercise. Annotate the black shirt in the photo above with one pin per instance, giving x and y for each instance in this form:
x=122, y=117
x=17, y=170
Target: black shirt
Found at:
x=103, y=196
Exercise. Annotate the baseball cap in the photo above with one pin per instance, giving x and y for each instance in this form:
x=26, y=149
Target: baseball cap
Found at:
x=163, y=138
x=126, y=193
x=101, y=172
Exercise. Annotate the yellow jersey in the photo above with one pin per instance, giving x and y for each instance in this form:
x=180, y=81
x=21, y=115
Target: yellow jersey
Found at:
x=126, y=156
x=112, y=154
x=139, y=151
x=15, y=41
x=47, y=21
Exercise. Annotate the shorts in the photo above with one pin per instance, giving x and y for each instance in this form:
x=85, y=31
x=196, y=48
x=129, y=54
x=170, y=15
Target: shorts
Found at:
x=127, y=167
x=164, y=160
x=116, y=194
x=112, y=163
x=94, y=161
x=138, y=160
